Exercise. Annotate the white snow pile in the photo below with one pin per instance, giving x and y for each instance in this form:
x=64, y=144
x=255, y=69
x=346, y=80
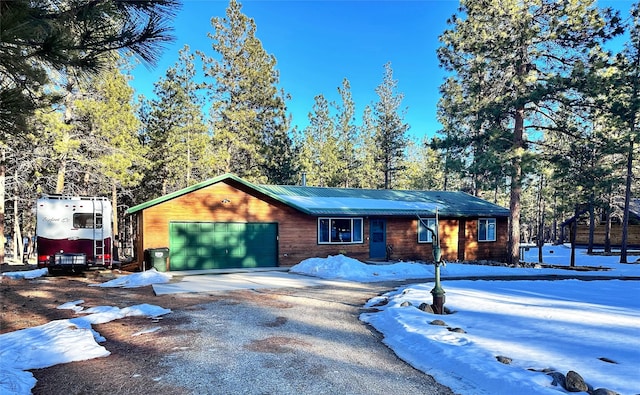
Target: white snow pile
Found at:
x=27, y=274
x=590, y=327
x=59, y=341
x=135, y=280
x=343, y=267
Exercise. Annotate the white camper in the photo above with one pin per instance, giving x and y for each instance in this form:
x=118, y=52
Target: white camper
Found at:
x=73, y=232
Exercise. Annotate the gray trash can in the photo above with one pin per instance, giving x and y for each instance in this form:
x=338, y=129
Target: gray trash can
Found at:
x=157, y=258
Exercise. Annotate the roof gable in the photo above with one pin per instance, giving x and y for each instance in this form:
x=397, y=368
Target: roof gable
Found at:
x=321, y=201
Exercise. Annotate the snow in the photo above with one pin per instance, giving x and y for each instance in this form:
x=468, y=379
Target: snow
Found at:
x=561, y=325
x=137, y=280
x=59, y=341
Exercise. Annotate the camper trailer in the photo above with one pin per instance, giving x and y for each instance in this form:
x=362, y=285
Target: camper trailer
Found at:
x=73, y=232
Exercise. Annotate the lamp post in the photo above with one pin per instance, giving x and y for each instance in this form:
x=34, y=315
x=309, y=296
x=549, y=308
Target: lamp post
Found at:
x=437, y=292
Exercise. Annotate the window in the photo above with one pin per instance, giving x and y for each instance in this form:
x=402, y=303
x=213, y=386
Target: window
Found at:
x=85, y=220
x=339, y=230
x=487, y=229
x=424, y=235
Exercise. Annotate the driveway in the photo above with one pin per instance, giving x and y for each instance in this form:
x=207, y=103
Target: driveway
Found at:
x=285, y=334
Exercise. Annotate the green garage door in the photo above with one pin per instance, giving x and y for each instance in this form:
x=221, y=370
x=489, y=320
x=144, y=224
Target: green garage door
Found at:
x=222, y=245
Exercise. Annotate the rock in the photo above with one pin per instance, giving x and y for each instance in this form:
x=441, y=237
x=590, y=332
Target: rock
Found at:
x=405, y=304
x=575, y=382
x=457, y=330
x=504, y=360
x=558, y=379
x=426, y=308
x=603, y=391
x=382, y=302
x=437, y=322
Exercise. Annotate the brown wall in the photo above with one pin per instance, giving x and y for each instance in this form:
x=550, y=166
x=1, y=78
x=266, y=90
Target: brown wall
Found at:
x=485, y=250
x=297, y=232
x=633, y=235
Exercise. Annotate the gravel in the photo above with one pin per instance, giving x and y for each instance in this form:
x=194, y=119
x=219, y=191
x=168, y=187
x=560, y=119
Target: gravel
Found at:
x=289, y=341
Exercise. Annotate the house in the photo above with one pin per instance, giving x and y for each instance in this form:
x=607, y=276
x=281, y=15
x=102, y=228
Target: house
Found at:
x=599, y=231
x=228, y=222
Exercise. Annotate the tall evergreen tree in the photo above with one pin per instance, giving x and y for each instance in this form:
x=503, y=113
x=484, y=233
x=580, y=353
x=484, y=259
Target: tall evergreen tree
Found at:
x=521, y=53
x=250, y=126
x=347, y=134
x=623, y=102
x=319, y=152
x=41, y=37
x=176, y=134
x=391, y=130
x=114, y=150
x=370, y=171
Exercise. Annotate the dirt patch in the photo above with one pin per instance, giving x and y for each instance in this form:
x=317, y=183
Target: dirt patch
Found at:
x=276, y=345
x=134, y=364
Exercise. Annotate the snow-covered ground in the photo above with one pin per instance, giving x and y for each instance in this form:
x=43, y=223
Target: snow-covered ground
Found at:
x=591, y=327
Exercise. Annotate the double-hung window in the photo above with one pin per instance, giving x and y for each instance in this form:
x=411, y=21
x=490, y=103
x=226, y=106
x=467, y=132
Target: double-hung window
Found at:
x=339, y=230
x=487, y=229
x=424, y=235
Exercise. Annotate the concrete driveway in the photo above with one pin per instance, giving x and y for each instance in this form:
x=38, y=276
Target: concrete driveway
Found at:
x=245, y=280
x=276, y=333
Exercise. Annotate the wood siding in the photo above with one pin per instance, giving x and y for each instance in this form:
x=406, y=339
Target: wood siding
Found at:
x=298, y=233
x=633, y=235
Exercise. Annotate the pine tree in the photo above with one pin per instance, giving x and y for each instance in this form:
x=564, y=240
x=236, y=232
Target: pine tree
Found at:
x=248, y=112
x=347, y=134
x=176, y=134
x=370, y=171
x=319, y=147
x=391, y=130
x=515, y=58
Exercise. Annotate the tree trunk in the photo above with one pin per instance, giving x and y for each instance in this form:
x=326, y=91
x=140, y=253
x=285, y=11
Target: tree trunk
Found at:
x=607, y=228
x=114, y=207
x=18, y=245
x=2, y=197
x=540, y=237
x=627, y=200
x=592, y=224
x=516, y=188
x=60, y=176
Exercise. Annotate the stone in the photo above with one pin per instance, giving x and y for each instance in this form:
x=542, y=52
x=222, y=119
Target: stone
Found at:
x=437, y=322
x=405, y=304
x=575, y=382
x=504, y=360
x=457, y=330
x=558, y=379
x=603, y=391
x=426, y=307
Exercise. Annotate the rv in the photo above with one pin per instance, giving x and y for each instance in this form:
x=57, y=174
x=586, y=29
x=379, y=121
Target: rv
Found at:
x=73, y=232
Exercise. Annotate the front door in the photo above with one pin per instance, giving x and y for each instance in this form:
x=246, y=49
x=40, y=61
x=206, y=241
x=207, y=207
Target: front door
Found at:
x=377, y=238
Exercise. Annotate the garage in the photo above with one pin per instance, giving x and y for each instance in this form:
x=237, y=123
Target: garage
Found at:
x=222, y=245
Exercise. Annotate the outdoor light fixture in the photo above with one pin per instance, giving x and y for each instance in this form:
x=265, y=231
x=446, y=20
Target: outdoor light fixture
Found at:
x=437, y=292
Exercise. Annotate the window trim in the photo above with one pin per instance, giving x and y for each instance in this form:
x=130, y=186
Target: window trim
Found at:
x=430, y=221
x=351, y=220
x=488, y=222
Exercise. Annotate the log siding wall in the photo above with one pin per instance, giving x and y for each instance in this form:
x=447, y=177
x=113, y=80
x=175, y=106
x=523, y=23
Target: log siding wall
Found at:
x=298, y=233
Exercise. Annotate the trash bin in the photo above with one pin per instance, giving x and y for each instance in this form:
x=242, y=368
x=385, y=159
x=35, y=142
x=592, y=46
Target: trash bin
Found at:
x=157, y=258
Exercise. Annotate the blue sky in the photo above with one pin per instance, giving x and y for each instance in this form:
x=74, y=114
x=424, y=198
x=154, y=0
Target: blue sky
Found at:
x=319, y=43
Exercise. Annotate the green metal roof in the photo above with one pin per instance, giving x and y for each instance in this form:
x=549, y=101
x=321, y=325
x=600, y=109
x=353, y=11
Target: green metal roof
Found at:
x=320, y=201
x=384, y=202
